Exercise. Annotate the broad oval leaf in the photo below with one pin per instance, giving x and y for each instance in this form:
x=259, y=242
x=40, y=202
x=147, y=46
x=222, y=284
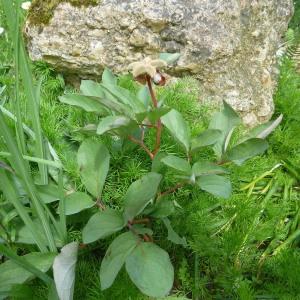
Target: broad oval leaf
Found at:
x=113, y=122
x=89, y=104
x=177, y=163
x=64, y=271
x=140, y=193
x=12, y=274
x=246, y=150
x=225, y=121
x=150, y=269
x=115, y=257
x=155, y=114
x=207, y=138
x=178, y=128
x=93, y=161
x=207, y=168
x=77, y=202
x=102, y=224
x=216, y=185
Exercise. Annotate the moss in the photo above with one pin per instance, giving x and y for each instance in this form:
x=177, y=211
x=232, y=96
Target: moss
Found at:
x=41, y=11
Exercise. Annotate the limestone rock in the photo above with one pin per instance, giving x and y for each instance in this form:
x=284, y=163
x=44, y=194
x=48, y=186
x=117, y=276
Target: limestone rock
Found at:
x=228, y=45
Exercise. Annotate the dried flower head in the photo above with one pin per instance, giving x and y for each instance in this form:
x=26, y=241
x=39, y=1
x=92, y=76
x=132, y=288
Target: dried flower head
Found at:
x=147, y=66
x=26, y=5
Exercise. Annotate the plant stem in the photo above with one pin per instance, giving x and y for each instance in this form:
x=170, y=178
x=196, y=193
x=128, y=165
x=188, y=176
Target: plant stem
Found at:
x=158, y=124
x=171, y=190
x=141, y=143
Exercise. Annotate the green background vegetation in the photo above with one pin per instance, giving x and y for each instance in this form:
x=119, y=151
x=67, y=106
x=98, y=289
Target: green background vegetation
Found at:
x=215, y=229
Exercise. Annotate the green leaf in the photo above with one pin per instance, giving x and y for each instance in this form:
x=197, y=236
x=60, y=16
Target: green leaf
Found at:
x=207, y=138
x=102, y=224
x=178, y=128
x=177, y=163
x=144, y=96
x=89, y=104
x=93, y=161
x=157, y=113
x=225, y=121
x=163, y=209
x=263, y=130
x=48, y=193
x=172, y=235
x=150, y=269
x=115, y=257
x=92, y=89
x=113, y=122
x=169, y=57
x=108, y=77
x=77, y=202
x=12, y=274
x=246, y=150
x=139, y=194
x=216, y=185
x=207, y=168
x=157, y=164
x=64, y=271
x=126, y=97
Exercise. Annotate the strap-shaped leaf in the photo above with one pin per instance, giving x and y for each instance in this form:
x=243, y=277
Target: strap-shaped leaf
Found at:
x=178, y=128
x=216, y=185
x=113, y=122
x=140, y=193
x=263, y=130
x=102, y=224
x=115, y=257
x=246, y=150
x=93, y=161
x=108, y=77
x=206, y=138
x=207, y=168
x=177, y=163
x=150, y=269
x=89, y=104
x=64, y=271
x=225, y=121
x=92, y=89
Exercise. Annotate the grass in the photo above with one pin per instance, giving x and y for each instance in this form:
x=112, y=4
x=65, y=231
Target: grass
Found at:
x=215, y=229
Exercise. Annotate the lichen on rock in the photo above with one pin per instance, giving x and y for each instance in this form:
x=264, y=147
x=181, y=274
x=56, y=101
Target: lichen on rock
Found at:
x=41, y=11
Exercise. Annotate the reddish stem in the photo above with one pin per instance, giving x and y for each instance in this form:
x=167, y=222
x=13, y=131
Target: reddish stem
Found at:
x=171, y=190
x=141, y=221
x=141, y=143
x=158, y=124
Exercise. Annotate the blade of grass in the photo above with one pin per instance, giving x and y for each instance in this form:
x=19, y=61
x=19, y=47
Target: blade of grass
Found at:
x=46, y=162
x=33, y=108
x=62, y=205
x=11, y=196
x=23, y=171
x=24, y=264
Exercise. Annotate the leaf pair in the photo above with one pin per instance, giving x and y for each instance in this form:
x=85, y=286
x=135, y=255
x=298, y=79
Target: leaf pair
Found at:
x=109, y=221
x=202, y=173
x=148, y=266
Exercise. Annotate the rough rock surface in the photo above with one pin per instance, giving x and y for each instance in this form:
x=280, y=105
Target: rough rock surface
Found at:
x=229, y=45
